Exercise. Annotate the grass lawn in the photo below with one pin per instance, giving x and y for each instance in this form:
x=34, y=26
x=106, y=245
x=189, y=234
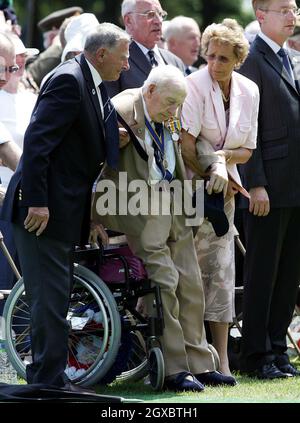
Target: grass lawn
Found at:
x=248, y=390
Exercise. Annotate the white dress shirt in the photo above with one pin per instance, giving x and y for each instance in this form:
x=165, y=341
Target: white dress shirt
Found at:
x=155, y=49
x=97, y=81
x=155, y=173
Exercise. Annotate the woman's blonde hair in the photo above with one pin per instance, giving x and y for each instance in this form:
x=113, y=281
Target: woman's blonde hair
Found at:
x=227, y=32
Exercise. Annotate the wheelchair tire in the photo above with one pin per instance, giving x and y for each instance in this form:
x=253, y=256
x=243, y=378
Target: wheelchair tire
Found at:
x=137, y=365
x=95, y=341
x=156, y=368
x=215, y=356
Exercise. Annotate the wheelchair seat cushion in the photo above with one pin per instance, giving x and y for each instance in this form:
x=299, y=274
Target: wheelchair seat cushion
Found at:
x=112, y=269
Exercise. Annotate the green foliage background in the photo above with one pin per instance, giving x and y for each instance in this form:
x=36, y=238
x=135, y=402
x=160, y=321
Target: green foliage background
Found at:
x=204, y=11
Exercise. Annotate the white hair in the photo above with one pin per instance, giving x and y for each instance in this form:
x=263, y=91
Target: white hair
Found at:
x=178, y=25
x=105, y=35
x=166, y=77
x=128, y=6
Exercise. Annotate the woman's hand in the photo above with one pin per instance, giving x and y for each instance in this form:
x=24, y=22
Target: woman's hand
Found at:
x=231, y=188
x=218, y=178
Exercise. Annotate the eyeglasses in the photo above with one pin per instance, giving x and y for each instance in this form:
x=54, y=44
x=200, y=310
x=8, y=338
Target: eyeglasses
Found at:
x=284, y=12
x=10, y=69
x=151, y=14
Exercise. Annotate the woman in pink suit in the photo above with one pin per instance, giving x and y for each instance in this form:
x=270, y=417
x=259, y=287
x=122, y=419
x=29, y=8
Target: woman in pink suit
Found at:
x=221, y=111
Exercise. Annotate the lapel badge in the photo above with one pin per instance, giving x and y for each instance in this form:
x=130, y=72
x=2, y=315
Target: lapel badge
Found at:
x=93, y=91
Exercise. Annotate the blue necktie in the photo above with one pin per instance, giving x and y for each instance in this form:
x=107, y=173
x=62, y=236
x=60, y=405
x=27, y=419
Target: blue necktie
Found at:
x=166, y=174
x=188, y=71
x=153, y=61
x=111, y=129
x=286, y=62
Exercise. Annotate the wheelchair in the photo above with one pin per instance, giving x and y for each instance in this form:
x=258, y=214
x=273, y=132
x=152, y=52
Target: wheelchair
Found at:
x=108, y=338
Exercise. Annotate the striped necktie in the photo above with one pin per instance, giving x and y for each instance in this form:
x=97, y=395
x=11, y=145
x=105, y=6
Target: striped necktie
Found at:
x=286, y=62
x=153, y=61
x=111, y=129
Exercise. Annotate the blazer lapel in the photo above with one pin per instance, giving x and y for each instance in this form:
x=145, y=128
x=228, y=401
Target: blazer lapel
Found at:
x=138, y=116
x=91, y=89
x=139, y=59
x=274, y=61
x=216, y=97
x=236, y=100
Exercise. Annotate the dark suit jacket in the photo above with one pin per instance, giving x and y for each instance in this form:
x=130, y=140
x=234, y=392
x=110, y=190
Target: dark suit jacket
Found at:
x=63, y=149
x=275, y=163
x=139, y=69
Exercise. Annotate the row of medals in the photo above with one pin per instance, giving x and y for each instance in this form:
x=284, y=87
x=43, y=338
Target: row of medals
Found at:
x=174, y=126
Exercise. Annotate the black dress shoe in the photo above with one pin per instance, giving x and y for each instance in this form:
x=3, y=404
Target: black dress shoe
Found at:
x=289, y=368
x=268, y=371
x=215, y=379
x=71, y=387
x=180, y=382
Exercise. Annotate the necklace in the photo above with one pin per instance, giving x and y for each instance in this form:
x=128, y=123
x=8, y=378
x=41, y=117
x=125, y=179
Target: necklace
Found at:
x=224, y=98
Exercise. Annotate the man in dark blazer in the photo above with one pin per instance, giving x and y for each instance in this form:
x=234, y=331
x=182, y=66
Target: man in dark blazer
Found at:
x=143, y=21
x=272, y=176
x=49, y=197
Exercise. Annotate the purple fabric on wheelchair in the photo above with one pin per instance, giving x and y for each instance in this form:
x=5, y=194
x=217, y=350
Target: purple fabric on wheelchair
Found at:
x=112, y=270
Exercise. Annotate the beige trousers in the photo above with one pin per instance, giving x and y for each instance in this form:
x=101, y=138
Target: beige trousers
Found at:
x=166, y=246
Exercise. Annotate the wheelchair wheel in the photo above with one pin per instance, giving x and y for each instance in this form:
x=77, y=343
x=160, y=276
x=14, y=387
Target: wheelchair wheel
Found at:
x=137, y=365
x=156, y=368
x=215, y=356
x=95, y=328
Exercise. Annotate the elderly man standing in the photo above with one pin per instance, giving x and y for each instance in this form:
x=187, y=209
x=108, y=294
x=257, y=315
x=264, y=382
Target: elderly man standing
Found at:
x=48, y=199
x=143, y=21
x=183, y=39
x=163, y=241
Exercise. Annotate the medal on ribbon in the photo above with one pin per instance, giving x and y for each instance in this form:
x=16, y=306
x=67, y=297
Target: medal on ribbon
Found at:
x=174, y=126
